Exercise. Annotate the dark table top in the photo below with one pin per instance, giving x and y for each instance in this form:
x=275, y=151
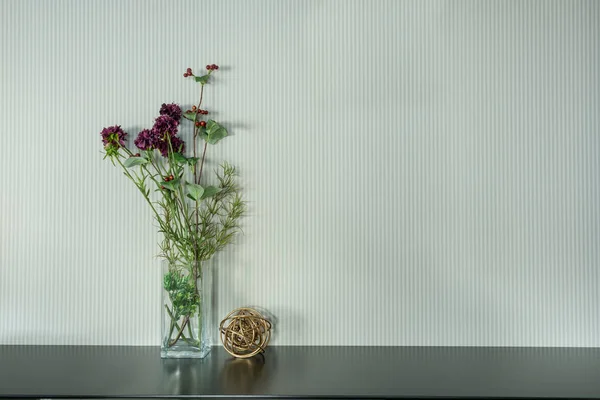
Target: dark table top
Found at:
x=302, y=372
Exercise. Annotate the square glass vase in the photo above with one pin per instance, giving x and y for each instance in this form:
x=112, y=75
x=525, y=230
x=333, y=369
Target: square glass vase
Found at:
x=187, y=328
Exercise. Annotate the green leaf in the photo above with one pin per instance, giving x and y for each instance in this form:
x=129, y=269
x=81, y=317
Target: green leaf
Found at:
x=179, y=158
x=192, y=160
x=195, y=192
x=209, y=191
x=133, y=161
x=189, y=115
x=204, y=135
x=171, y=185
x=202, y=79
x=214, y=132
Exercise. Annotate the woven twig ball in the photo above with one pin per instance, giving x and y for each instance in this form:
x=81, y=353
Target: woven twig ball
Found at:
x=245, y=332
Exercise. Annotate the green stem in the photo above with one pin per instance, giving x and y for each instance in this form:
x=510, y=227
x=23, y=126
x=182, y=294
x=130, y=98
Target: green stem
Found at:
x=202, y=162
x=197, y=179
x=198, y=277
x=197, y=130
x=186, y=320
x=181, y=335
x=191, y=334
x=140, y=189
x=173, y=321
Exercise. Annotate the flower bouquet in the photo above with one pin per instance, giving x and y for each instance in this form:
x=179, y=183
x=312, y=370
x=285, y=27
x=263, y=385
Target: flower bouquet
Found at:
x=196, y=218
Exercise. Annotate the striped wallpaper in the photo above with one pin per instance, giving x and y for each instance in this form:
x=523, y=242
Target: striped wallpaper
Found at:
x=416, y=172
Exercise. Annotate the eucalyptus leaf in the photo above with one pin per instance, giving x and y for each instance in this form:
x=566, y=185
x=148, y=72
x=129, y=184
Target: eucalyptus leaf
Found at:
x=189, y=115
x=217, y=136
x=209, y=191
x=212, y=126
x=215, y=132
x=192, y=160
x=202, y=79
x=195, y=192
x=133, y=161
x=179, y=158
x=171, y=185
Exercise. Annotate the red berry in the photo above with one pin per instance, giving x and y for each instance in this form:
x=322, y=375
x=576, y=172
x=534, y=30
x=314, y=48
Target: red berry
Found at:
x=215, y=66
x=189, y=71
x=203, y=123
x=193, y=108
x=209, y=67
x=197, y=123
x=185, y=75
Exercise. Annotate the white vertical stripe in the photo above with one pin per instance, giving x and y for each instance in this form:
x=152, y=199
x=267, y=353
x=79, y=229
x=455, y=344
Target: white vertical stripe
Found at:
x=417, y=172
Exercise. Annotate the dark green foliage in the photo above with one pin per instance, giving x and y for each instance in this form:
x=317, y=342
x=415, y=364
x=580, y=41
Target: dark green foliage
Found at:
x=182, y=293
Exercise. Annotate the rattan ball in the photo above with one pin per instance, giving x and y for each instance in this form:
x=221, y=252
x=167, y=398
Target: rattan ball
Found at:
x=245, y=332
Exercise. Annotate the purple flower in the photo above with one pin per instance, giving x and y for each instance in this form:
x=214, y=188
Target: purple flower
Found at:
x=172, y=110
x=163, y=147
x=177, y=144
x=165, y=124
x=113, y=136
x=163, y=132
x=145, y=140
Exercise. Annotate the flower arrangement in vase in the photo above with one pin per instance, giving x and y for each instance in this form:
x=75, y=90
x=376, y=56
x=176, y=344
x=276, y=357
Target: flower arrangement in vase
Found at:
x=196, y=219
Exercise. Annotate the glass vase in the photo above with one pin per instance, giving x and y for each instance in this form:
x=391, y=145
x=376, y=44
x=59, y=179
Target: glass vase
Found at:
x=187, y=327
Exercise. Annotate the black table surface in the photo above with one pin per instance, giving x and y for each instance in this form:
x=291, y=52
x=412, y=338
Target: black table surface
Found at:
x=302, y=372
